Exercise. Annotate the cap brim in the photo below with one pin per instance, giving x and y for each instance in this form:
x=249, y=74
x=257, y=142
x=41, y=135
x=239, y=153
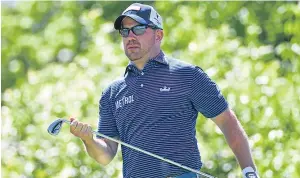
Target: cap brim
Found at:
x=118, y=21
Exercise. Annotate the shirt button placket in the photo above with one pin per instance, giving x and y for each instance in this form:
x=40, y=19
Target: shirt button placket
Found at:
x=142, y=85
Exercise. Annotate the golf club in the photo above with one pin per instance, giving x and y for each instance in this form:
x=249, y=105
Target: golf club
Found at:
x=55, y=127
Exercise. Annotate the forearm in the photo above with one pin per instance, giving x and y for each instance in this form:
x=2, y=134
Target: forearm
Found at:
x=235, y=137
x=99, y=150
x=238, y=142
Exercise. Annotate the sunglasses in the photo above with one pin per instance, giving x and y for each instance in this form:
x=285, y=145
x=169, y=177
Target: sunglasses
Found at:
x=137, y=30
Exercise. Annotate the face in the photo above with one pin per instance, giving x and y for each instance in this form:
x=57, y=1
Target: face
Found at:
x=137, y=46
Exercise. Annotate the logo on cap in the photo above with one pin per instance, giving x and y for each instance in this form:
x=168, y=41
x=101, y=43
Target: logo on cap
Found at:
x=135, y=8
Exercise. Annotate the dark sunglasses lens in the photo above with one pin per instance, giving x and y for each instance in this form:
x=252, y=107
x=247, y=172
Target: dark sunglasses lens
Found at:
x=124, y=32
x=139, y=30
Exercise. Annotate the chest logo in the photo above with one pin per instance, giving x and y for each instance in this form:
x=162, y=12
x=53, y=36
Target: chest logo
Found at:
x=125, y=100
x=165, y=89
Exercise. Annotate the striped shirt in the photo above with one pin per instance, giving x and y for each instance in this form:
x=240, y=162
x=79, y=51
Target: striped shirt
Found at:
x=156, y=109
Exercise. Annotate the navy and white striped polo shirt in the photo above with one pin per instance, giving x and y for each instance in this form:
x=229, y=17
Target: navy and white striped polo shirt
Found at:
x=156, y=110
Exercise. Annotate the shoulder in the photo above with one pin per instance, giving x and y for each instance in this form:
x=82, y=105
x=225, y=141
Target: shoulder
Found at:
x=188, y=70
x=115, y=86
x=178, y=65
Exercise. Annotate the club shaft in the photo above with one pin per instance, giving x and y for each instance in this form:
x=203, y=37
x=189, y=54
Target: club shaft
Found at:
x=149, y=153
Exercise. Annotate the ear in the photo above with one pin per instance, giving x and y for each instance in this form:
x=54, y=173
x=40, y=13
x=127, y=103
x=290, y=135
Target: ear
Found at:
x=159, y=35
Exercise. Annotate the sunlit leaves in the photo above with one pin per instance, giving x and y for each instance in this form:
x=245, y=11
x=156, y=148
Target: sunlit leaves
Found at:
x=57, y=57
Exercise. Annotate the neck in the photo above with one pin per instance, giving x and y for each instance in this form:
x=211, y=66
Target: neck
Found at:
x=140, y=64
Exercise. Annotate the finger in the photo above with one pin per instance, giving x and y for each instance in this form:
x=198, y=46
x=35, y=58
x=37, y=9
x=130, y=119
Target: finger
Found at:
x=73, y=125
x=71, y=119
x=84, y=129
x=84, y=133
x=88, y=133
x=78, y=127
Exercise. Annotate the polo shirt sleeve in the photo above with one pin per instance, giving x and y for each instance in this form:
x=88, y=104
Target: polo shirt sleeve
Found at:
x=107, y=123
x=206, y=96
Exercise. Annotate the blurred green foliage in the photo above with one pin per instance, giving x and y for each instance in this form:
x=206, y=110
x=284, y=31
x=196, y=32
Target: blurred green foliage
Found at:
x=57, y=57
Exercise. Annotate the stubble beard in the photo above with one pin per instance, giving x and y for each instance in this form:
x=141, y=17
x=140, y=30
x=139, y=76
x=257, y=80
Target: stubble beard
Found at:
x=136, y=54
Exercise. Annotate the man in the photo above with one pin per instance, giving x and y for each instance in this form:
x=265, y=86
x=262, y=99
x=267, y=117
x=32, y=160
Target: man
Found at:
x=155, y=107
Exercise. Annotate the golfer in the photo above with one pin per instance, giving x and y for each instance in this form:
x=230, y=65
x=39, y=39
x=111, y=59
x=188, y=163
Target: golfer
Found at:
x=155, y=107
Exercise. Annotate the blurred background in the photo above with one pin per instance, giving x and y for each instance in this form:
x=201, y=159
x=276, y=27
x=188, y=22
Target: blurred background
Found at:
x=57, y=57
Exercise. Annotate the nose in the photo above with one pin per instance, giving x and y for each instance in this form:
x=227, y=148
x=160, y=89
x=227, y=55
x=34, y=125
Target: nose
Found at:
x=131, y=34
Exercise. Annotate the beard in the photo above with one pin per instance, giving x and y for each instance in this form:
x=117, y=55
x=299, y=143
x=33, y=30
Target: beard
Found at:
x=135, y=54
x=139, y=52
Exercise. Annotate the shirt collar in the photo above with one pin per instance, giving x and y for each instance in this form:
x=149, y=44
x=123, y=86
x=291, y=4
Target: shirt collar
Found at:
x=160, y=58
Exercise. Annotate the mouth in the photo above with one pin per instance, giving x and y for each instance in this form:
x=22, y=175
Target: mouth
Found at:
x=132, y=47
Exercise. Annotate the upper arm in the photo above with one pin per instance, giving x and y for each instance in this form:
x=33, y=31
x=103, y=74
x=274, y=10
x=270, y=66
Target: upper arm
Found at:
x=206, y=96
x=227, y=122
x=107, y=123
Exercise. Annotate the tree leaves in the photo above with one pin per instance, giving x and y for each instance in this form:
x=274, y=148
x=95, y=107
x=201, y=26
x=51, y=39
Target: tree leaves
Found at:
x=57, y=57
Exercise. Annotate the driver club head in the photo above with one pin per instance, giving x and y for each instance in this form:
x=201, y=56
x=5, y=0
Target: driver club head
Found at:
x=55, y=127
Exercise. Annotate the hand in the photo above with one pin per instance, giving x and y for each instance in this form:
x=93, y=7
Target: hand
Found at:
x=81, y=130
